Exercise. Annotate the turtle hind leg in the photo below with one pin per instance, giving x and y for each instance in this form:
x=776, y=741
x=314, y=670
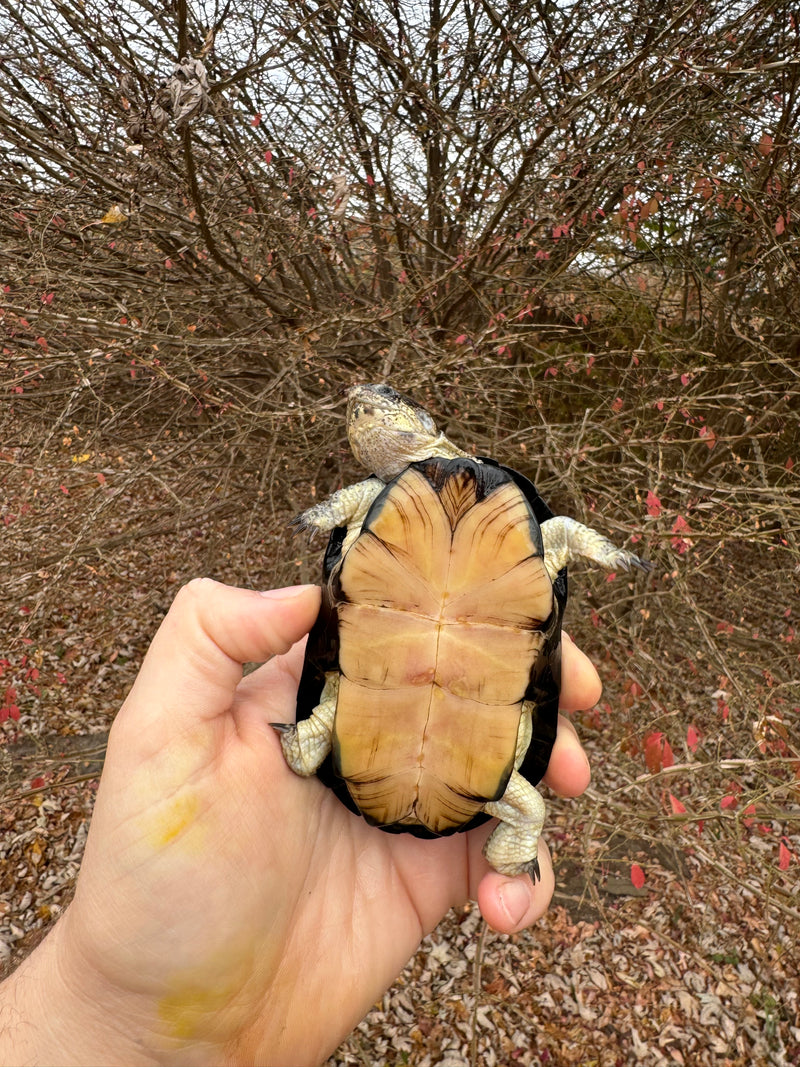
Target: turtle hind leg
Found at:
x=306, y=744
x=566, y=540
x=514, y=844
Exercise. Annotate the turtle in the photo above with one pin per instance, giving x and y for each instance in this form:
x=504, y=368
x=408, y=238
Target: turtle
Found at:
x=429, y=695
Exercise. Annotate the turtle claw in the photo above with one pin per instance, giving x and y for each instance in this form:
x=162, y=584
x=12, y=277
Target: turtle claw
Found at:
x=626, y=560
x=283, y=728
x=533, y=870
x=300, y=525
x=515, y=870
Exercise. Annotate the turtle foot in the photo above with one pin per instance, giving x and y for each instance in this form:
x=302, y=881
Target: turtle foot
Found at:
x=566, y=540
x=305, y=745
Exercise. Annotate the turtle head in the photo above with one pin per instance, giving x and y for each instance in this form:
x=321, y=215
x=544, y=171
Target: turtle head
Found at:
x=387, y=430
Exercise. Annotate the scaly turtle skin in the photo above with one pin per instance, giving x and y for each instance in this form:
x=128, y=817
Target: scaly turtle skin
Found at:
x=429, y=694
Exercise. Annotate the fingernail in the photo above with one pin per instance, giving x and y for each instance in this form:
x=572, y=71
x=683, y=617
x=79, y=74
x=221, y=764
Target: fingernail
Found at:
x=289, y=593
x=515, y=899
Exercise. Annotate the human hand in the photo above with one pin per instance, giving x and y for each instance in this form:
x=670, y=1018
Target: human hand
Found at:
x=228, y=911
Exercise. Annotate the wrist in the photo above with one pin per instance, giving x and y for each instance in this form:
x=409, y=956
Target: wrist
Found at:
x=53, y=1010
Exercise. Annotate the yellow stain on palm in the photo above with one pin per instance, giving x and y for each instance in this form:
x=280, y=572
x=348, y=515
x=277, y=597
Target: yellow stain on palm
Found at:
x=177, y=820
x=186, y=1013
x=207, y=1002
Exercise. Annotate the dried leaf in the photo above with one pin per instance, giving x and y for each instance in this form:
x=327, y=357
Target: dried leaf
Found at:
x=114, y=215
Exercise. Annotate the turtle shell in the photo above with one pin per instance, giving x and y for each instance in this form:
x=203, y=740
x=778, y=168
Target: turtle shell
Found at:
x=442, y=621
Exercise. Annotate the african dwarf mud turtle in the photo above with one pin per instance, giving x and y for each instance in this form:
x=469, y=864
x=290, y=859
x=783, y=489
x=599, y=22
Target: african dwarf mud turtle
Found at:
x=429, y=695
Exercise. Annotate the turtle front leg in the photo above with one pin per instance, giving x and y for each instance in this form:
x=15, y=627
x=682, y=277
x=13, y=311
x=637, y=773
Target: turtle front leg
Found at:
x=513, y=846
x=345, y=507
x=566, y=540
x=306, y=743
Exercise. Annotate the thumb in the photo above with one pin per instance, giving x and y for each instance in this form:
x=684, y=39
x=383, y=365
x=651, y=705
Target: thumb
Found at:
x=194, y=663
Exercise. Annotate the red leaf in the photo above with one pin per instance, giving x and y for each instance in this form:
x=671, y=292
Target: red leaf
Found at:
x=780, y=225
x=667, y=757
x=168, y=264
x=729, y=801
x=370, y=180
x=653, y=505
x=64, y=490
x=617, y=404
x=256, y=119
x=652, y=751
x=765, y=144
x=784, y=856
x=268, y=156
x=692, y=739
x=461, y=339
x=47, y=298
x=41, y=341
x=708, y=435
x=637, y=875
x=677, y=807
